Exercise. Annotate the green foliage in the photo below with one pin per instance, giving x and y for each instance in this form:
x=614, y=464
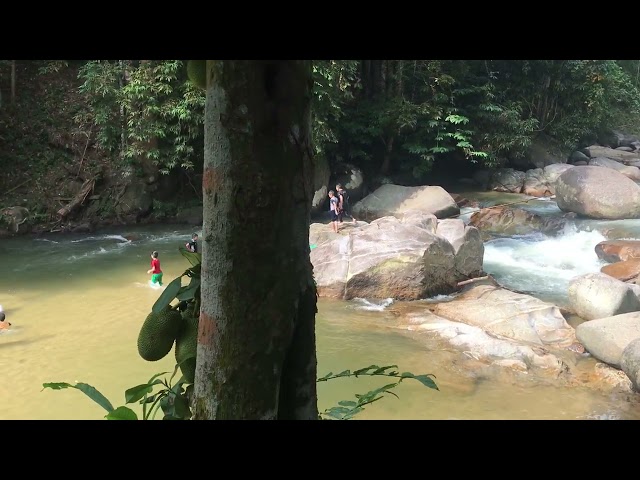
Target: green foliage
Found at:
x=52, y=66
x=347, y=409
x=145, y=110
x=174, y=399
x=333, y=81
x=171, y=398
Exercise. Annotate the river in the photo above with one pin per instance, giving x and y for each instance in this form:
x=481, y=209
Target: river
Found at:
x=76, y=303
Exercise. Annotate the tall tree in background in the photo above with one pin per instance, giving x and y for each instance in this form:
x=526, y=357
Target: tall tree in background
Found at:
x=256, y=356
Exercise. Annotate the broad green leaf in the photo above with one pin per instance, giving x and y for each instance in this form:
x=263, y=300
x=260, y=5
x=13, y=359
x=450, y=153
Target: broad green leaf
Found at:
x=193, y=258
x=122, y=413
x=344, y=373
x=181, y=407
x=191, y=291
x=167, y=295
x=347, y=403
x=352, y=413
x=95, y=395
x=407, y=375
x=134, y=394
x=85, y=388
x=427, y=381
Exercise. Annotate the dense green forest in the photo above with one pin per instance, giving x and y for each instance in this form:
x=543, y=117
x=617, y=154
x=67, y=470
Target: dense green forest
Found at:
x=86, y=143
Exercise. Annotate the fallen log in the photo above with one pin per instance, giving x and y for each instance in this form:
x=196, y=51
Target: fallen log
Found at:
x=473, y=280
x=79, y=199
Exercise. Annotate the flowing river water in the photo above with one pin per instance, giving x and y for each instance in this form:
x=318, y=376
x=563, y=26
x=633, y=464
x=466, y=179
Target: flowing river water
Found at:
x=76, y=304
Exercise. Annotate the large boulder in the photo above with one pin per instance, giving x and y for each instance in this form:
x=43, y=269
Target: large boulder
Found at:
x=552, y=172
x=513, y=221
x=535, y=183
x=395, y=200
x=16, y=219
x=507, y=180
x=616, y=139
x=481, y=343
x=508, y=314
x=597, y=295
x=467, y=246
x=599, y=193
x=595, y=151
x=389, y=258
x=630, y=362
x=632, y=172
x=606, y=338
x=618, y=250
x=623, y=271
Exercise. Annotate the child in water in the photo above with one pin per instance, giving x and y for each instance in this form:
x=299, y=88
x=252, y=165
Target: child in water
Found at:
x=192, y=246
x=155, y=271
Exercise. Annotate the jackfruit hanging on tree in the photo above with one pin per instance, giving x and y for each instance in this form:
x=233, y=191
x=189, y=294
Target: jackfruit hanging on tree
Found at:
x=158, y=333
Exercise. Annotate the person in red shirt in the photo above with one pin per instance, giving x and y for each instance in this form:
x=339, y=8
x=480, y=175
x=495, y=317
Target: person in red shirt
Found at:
x=155, y=271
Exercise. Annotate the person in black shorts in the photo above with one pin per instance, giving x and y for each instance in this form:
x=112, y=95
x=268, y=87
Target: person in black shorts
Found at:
x=192, y=246
x=343, y=205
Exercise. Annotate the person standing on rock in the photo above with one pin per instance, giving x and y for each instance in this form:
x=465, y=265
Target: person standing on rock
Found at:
x=343, y=205
x=334, y=210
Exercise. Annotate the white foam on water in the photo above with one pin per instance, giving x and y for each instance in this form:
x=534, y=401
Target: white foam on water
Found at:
x=102, y=237
x=148, y=284
x=439, y=299
x=373, y=306
x=543, y=264
x=45, y=240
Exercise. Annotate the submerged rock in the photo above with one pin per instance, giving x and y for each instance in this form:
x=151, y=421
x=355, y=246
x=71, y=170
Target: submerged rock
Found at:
x=514, y=221
x=510, y=315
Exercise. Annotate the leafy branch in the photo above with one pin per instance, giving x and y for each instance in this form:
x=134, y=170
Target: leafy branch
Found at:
x=347, y=409
x=172, y=399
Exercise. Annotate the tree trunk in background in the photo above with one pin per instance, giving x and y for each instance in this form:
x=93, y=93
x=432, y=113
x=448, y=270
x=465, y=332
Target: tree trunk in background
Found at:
x=13, y=81
x=366, y=78
x=123, y=120
x=377, y=79
x=399, y=73
x=386, y=161
x=256, y=356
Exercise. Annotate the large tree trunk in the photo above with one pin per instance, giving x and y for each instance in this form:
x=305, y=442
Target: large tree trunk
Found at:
x=13, y=81
x=256, y=356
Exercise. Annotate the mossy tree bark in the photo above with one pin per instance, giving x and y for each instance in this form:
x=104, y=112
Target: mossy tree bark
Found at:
x=256, y=356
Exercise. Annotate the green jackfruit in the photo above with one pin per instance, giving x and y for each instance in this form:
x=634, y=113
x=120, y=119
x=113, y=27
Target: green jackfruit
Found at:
x=158, y=333
x=197, y=73
x=187, y=346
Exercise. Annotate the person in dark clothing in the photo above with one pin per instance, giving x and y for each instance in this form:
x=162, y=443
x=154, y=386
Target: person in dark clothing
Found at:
x=192, y=246
x=344, y=206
